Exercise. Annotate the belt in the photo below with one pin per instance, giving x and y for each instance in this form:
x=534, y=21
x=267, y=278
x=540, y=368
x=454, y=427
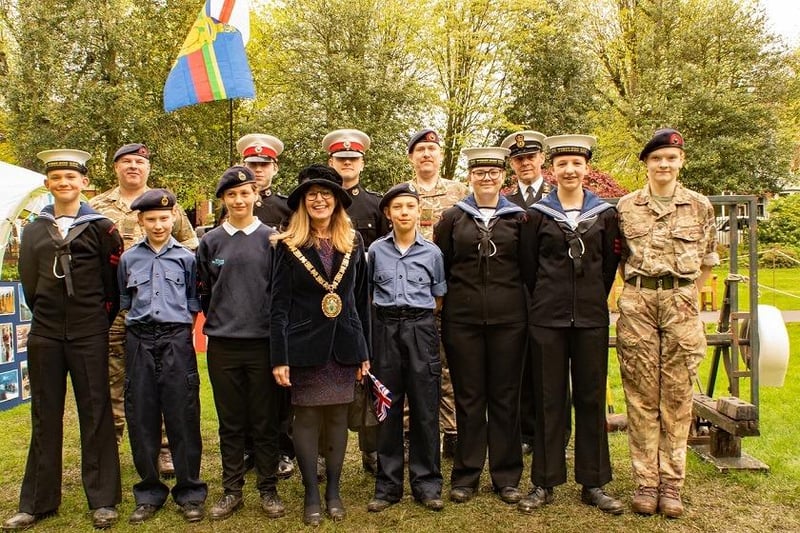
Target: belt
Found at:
x=402, y=312
x=157, y=328
x=662, y=282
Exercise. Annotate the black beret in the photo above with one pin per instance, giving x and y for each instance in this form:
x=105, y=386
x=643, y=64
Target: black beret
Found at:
x=401, y=189
x=233, y=177
x=154, y=200
x=135, y=148
x=427, y=135
x=323, y=176
x=666, y=137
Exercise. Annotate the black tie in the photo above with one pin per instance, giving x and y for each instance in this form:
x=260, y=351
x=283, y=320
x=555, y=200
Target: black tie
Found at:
x=530, y=197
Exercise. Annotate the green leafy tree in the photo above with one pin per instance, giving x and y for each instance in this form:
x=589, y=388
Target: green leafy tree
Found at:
x=783, y=224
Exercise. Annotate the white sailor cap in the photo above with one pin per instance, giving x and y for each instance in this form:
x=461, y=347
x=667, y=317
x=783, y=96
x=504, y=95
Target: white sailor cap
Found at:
x=570, y=145
x=489, y=156
x=65, y=159
x=346, y=143
x=259, y=148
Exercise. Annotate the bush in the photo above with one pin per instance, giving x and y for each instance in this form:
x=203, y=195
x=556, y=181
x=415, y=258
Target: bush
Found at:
x=779, y=256
x=783, y=224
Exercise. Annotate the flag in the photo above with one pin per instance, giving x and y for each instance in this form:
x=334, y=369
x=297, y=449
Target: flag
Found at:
x=382, y=398
x=212, y=63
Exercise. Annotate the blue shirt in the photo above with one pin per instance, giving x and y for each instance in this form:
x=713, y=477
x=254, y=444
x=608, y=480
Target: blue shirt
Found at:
x=158, y=287
x=410, y=279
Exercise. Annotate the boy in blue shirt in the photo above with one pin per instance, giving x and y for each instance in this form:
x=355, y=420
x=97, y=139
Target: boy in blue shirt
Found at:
x=406, y=275
x=157, y=279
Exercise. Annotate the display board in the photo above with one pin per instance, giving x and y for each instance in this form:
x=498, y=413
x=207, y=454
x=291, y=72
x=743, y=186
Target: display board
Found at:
x=15, y=323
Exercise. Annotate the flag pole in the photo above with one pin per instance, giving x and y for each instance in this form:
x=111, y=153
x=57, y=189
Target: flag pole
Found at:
x=230, y=133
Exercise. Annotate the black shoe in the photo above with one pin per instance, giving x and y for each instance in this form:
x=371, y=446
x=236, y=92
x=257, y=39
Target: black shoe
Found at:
x=449, y=441
x=143, y=512
x=193, y=511
x=432, y=504
x=285, y=467
x=272, y=505
x=249, y=461
x=312, y=516
x=369, y=460
x=226, y=506
x=537, y=497
x=510, y=495
x=335, y=510
x=24, y=520
x=461, y=494
x=596, y=497
x=527, y=448
x=377, y=505
x=104, y=517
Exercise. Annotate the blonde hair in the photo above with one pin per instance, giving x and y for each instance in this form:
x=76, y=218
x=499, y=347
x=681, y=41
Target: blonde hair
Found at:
x=298, y=233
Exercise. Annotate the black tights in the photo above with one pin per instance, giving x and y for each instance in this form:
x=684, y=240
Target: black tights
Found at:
x=308, y=422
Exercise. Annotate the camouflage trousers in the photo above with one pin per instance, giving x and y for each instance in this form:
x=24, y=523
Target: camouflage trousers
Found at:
x=660, y=343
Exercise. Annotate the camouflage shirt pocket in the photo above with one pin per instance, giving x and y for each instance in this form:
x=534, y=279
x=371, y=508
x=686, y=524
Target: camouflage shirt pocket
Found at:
x=687, y=241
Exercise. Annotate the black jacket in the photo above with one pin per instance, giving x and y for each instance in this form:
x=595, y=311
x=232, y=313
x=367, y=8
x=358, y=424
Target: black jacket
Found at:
x=485, y=283
x=94, y=255
x=300, y=334
x=560, y=297
x=366, y=215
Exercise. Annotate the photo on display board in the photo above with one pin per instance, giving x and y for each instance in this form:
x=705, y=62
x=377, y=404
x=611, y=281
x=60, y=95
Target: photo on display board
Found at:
x=26, y=380
x=7, y=306
x=25, y=314
x=6, y=343
x=22, y=337
x=9, y=385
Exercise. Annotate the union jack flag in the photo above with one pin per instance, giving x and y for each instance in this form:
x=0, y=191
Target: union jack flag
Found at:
x=382, y=398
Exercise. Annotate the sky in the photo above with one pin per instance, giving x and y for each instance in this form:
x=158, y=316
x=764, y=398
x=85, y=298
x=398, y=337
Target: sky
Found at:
x=784, y=18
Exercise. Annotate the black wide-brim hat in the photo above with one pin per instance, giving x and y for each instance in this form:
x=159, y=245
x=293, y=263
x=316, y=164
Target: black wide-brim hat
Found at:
x=324, y=177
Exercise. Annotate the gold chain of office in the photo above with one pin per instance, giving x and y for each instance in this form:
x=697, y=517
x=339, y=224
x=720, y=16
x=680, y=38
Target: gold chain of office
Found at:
x=331, y=302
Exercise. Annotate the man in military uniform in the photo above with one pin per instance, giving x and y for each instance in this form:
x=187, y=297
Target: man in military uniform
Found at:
x=668, y=251
x=132, y=167
x=526, y=158
x=260, y=154
x=436, y=194
x=346, y=150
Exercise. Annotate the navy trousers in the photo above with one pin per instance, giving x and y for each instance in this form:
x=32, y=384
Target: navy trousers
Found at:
x=406, y=360
x=161, y=378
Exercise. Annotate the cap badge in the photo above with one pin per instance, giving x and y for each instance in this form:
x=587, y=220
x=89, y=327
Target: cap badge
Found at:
x=164, y=200
x=242, y=176
x=411, y=188
x=258, y=149
x=520, y=139
x=143, y=152
x=431, y=137
x=675, y=138
x=346, y=145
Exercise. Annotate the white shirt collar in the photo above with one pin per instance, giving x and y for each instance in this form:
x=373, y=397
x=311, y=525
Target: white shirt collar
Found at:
x=536, y=185
x=231, y=230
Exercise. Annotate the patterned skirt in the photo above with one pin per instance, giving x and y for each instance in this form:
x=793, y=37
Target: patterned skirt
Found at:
x=328, y=384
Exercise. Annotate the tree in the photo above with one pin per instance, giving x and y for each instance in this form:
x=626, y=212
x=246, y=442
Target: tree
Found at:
x=705, y=67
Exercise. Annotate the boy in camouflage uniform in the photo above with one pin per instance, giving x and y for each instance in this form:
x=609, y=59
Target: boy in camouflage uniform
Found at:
x=668, y=251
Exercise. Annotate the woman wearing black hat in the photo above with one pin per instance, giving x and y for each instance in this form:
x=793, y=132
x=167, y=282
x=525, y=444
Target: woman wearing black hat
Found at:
x=320, y=327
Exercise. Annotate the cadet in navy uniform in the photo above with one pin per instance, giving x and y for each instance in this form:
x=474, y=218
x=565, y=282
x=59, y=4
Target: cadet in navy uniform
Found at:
x=68, y=267
x=234, y=268
x=576, y=248
x=346, y=150
x=406, y=274
x=260, y=153
x=158, y=284
x=484, y=326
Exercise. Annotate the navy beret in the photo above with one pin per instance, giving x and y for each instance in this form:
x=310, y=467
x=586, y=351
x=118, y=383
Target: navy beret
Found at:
x=135, y=148
x=663, y=138
x=427, y=135
x=233, y=177
x=401, y=189
x=154, y=200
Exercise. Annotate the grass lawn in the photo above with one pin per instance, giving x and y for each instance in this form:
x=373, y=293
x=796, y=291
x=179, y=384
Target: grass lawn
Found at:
x=779, y=287
x=715, y=502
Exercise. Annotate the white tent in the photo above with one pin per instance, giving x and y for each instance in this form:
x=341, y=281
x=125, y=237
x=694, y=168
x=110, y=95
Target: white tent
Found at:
x=21, y=191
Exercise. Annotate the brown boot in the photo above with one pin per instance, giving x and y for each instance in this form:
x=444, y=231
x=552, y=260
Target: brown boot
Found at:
x=645, y=500
x=669, y=501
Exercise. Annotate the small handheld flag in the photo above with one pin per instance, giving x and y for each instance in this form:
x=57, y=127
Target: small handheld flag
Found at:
x=382, y=398
x=212, y=63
